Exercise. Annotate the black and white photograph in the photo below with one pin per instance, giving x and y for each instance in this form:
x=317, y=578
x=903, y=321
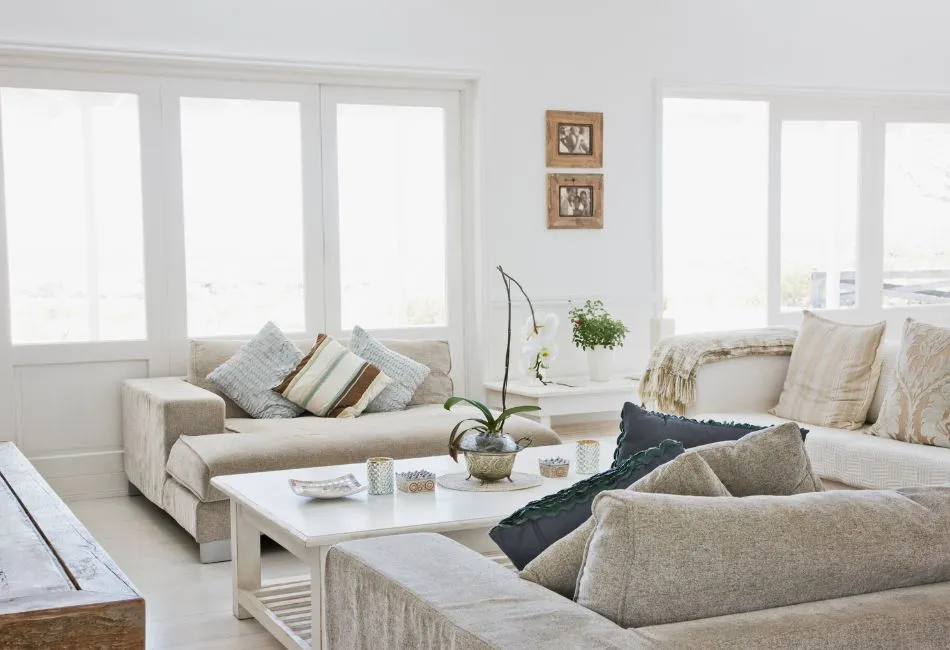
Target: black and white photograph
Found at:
x=576, y=201
x=574, y=139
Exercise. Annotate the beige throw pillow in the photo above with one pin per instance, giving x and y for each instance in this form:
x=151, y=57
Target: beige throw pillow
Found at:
x=556, y=568
x=655, y=558
x=916, y=405
x=832, y=374
x=771, y=461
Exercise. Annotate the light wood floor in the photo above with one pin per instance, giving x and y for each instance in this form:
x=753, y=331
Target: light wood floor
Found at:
x=188, y=604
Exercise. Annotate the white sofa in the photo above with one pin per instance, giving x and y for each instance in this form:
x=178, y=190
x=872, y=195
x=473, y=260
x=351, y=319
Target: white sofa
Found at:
x=742, y=390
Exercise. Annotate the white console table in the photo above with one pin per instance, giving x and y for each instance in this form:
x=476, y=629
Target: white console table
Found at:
x=566, y=396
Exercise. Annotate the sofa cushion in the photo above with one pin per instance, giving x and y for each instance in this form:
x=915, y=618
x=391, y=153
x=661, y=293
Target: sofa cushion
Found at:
x=771, y=461
x=265, y=445
x=407, y=374
x=832, y=374
x=524, y=534
x=917, y=403
x=255, y=369
x=657, y=558
x=641, y=429
x=331, y=381
x=864, y=461
x=204, y=355
x=557, y=567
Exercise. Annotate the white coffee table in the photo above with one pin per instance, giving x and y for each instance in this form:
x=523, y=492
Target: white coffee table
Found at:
x=566, y=396
x=262, y=503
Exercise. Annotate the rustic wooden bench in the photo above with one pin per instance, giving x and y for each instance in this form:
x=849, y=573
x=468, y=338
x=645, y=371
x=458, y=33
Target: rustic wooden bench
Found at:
x=58, y=588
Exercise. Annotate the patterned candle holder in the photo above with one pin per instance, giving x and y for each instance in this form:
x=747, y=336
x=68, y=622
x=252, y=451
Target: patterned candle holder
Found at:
x=554, y=467
x=379, y=472
x=420, y=480
x=588, y=456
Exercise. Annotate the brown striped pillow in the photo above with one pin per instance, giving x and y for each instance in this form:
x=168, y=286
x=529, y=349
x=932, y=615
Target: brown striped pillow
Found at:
x=832, y=374
x=333, y=382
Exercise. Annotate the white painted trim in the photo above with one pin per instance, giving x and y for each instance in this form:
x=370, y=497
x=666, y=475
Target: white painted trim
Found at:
x=8, y=419
x=314, y=246
x=773, y=256
x=658, y=254
x=86, y=352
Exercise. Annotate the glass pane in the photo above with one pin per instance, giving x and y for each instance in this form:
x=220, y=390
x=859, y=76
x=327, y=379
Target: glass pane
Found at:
x=715, y=207
x=917, y=214
x=392, y=215
x=819, y=213
x=72, y=182
x=241, y=170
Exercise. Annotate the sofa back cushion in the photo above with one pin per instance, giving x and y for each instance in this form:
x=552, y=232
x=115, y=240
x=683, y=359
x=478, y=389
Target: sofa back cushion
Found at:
x=204, y=355
x=654, y=558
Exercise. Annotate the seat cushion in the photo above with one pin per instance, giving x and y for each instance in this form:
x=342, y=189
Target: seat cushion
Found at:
x=860, y=460
x=266, y=445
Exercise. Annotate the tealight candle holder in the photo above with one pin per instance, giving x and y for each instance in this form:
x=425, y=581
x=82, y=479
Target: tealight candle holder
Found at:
x=379, y=472
x=588, y=456
x=554, y=467
x=419, y=480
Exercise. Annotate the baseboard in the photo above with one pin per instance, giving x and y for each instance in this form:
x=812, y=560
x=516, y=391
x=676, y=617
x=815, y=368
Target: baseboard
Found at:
x=89, y=475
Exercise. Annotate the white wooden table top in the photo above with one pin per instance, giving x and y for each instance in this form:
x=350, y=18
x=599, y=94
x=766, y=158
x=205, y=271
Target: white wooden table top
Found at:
x=320, y=523
x=574, y=386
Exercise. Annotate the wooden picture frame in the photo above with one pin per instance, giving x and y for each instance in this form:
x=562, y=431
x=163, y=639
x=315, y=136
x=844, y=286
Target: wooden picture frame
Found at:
x=574, y=139
x=575, y=201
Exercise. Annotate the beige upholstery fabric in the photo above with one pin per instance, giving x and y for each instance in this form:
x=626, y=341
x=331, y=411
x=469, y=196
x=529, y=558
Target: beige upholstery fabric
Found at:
x=265, y=445
x=750, y=466
x=401, y=581
x=556, y=568
x=862, y=461
x=206, y=522
x=832, y=374
x=917, y=406
x=913, y=617
x=656, y=558
x=887, y=357
x=155, y=413
x=204, y=355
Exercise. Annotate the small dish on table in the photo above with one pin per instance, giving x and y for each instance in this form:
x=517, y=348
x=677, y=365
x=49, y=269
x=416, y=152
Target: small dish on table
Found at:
x=334, y=488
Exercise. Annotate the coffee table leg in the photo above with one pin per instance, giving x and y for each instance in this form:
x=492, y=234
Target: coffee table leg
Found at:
x=245, y=558
x=318, y=600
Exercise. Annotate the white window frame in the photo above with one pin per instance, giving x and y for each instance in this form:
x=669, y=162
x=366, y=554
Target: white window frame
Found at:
x=872, y=111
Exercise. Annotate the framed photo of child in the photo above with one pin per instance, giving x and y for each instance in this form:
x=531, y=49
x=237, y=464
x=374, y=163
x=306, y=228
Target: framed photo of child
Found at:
x=575, y=139
x=575, y=201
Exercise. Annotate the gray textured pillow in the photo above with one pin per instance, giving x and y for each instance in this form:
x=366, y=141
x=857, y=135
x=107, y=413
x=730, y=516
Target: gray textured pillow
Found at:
x=407, y=374
x=557, y=567
x=250, y=375
x=655, y=559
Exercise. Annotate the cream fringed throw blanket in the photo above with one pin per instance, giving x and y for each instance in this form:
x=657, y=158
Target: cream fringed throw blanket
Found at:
x=669, y=383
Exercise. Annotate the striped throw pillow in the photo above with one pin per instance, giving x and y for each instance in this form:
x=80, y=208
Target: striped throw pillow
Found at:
x=333, y=382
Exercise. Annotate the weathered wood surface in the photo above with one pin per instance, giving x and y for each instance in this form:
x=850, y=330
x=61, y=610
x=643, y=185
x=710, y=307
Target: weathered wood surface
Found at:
x=58, y=588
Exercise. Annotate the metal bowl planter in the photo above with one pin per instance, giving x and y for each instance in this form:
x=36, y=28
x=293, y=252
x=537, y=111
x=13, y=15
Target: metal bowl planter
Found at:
x=491, y=457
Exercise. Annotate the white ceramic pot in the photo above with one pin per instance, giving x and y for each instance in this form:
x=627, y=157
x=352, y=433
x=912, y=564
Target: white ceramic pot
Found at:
x=599, y=363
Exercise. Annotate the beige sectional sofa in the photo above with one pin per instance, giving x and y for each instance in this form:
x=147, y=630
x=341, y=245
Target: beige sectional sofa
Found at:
x=179, y=433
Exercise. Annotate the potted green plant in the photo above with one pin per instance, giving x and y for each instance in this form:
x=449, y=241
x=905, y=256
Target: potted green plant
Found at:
x=596, y=332
x=489, y=451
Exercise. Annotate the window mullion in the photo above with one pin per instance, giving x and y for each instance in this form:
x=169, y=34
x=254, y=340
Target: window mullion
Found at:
x=870, y=253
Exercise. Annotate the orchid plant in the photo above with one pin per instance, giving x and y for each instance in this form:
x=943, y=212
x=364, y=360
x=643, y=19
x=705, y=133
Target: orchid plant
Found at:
x=490, y=428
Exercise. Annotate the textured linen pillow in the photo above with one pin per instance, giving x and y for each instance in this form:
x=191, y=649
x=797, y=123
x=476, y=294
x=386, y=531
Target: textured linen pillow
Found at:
x=330, y=381
x=657, y=558
x=248, y=376
x=407, y=375
x=558, y=566
x=916, y=405
x=832, y=374
x=771, y=461
x=530, y=530
x=641, y=429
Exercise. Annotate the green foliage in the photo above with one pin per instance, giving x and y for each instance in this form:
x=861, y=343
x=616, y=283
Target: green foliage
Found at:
x=489, y=424
x=594, y=326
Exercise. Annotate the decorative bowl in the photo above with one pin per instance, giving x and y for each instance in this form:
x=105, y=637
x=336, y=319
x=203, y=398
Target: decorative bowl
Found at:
x=554, y=467
x=334, y=488
x=416, y=481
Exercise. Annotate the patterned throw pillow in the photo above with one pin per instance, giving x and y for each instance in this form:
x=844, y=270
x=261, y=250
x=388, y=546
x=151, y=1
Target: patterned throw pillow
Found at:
x=330, y=381
x=832, y=374
x=558, y=566
x=248, y=376
x=524, y=534
x=917, y=402
x=407, y=374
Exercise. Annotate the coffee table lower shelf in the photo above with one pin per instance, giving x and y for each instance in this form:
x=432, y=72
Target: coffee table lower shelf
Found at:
x=284, y=608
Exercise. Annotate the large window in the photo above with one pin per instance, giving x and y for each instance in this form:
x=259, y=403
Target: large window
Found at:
x=774, y=205
x=73, y=199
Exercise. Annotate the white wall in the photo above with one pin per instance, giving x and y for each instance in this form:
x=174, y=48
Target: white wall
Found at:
x=539, y=54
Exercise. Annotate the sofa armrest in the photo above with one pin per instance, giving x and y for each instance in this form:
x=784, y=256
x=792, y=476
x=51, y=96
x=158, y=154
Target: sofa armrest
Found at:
x=427, y=591
x=155, y=412
x=739, y=385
